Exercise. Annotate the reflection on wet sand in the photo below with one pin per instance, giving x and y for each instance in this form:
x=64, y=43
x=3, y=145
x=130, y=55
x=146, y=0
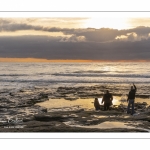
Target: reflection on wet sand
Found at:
x=108, y=125
x=87, y=104
x=104, y=125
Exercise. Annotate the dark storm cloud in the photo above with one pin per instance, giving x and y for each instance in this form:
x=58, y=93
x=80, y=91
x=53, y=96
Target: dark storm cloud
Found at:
x=52, y=48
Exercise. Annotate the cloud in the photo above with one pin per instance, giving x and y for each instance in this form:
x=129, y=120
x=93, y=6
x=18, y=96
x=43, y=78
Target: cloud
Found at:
x=11, y=27
x=106, y=34
x=52, y=48
x=90, y=34
x=73, y=38
x=141, y=30
x=81, y=43
x=45, y=22
x=129, y=37
x=133, y=37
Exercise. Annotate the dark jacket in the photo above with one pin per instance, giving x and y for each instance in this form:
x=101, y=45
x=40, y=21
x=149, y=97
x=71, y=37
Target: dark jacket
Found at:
x=107, y=98
x=132, y=93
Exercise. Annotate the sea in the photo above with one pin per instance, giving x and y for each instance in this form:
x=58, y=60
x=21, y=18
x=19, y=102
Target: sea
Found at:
x=16, y=76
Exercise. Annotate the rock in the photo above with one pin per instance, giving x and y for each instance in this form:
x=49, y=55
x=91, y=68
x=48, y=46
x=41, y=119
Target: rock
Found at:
x=43, y=95
x=80, y=110
x=43, y=109
x=144, y=103
x=42, y=117
x=28, y=118
x=70, y=98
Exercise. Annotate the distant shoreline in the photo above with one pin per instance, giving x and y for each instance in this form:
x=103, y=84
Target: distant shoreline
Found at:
x=63, y=60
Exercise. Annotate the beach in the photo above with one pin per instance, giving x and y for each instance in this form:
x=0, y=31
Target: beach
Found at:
x=60, y=97
x=49, y=111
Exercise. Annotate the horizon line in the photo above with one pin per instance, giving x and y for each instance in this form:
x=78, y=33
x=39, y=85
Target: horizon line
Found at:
x=65, y=60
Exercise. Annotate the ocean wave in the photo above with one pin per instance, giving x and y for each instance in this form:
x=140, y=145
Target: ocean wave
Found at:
x=72, y=81
x=98, y=71
x=91, y=71
x=13, y=75
x=104, y=75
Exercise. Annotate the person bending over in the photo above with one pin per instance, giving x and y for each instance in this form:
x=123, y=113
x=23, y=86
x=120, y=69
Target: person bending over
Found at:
x=96, y=104
x=107, y=99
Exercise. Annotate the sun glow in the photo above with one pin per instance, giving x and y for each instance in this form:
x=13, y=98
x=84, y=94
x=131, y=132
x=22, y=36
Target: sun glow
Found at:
x=107, y=22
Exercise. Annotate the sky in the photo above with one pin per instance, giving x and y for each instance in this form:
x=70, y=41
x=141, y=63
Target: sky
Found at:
x=98, y=38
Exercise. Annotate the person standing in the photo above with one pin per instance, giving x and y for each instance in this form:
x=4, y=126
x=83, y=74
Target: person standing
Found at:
x=131, y=99
x=107, y=99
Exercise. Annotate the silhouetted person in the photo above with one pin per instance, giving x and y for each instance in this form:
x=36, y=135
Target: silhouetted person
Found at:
x=107, y=99
x=131, y=98
x=96, y=104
